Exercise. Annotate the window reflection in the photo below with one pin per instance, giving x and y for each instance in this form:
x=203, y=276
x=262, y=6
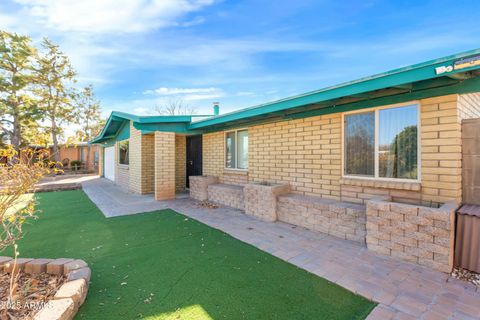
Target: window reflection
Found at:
x=360, y=144
x=398, y=143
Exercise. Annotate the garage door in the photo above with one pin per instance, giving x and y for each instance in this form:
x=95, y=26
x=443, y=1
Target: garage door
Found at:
x=109, y=163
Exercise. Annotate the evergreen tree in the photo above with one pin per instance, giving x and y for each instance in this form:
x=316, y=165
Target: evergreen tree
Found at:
x=55, y=77
x=18, y=108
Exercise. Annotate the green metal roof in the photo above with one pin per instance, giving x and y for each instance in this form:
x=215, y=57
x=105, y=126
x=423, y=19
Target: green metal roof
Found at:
x=146, y=124
x=408, y=79
x=453, y=74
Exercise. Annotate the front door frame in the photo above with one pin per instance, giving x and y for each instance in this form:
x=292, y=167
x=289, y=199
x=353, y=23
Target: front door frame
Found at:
x=194, y=162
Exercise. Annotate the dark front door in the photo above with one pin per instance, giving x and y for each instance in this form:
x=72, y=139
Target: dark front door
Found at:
x=194, y=157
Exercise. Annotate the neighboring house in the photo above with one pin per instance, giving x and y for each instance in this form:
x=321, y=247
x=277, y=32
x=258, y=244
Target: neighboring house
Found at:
x=72, y=152
x=396, y=134
x=78, y=152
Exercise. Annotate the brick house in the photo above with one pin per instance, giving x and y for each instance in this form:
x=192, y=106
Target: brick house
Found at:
x=376, y=160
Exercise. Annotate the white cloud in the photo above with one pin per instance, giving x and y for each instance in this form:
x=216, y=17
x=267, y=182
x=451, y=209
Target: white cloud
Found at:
x=245, y=94
x=165, y=91
x=106, y=16
x=187, y=94
x=194, y=22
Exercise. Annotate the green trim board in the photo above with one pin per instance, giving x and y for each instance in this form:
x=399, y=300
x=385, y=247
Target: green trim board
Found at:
x=458, y=73
x=467, y=86
x=117, y=120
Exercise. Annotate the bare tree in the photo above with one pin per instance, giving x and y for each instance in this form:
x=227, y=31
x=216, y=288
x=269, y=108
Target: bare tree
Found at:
x=175, y=106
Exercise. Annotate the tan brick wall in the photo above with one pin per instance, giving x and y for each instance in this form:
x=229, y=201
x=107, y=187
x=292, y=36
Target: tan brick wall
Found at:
x=213, y=154
x=135, y=160
x=121, y=172
x=238, y=177
x=180, y=162
x=164, y=165
x=148, y=163
x=100, y=161
x=305, y=152
x=141, y=162
x=441, y=149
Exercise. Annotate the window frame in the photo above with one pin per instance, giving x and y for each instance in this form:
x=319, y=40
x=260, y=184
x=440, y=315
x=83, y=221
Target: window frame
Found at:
x=128, y=153
x=235, y=148
x=376, y=176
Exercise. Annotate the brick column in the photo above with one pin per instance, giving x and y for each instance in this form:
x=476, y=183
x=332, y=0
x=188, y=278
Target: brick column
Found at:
x=180, y=162
x=101, y=151
x=141, y=162
x=164, y=165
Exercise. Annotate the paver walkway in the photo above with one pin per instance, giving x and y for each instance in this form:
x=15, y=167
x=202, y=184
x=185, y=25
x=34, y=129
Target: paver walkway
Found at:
x=403, y=290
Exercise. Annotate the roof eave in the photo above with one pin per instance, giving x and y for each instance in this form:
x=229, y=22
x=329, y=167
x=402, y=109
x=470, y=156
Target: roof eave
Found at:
x=397, y=77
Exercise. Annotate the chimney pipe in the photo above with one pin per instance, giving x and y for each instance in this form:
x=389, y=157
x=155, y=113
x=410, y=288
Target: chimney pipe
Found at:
x=216, y=108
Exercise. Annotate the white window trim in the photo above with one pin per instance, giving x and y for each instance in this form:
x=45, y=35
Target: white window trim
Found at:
x=235, y=149
x=376, y=171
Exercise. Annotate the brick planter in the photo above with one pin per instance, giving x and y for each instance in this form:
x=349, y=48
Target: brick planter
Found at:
x=417, y=234
x=199, y=186
x=340, y=219
x=69, y=297
x=229, y=195
x=261, y=199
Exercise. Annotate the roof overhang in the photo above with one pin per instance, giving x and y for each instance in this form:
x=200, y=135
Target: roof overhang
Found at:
x=146, y=124
x=449, y=75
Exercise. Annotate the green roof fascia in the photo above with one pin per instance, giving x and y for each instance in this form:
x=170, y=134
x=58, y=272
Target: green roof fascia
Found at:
x=466, y=86
x=457, y=87
x=122, y=117
x=397, y=77
x=177, y=127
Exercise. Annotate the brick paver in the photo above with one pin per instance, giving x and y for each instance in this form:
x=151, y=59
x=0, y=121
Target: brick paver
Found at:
x=403, y=290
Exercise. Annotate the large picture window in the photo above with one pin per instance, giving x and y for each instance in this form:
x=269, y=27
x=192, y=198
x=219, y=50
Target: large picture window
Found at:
x=382, y=143
x=236, y=149
x=123, y=152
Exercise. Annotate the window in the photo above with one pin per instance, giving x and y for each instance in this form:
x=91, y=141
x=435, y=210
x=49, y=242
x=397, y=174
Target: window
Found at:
x=236, y=149
x=382, y=143
x=123, y=152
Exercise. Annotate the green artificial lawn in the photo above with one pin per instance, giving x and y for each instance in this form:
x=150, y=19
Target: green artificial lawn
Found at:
x=163, y=265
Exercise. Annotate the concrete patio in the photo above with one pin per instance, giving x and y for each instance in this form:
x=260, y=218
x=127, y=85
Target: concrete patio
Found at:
x=403, y=290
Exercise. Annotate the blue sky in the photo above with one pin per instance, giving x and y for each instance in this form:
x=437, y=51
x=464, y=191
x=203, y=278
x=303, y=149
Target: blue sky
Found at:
x=141, y=53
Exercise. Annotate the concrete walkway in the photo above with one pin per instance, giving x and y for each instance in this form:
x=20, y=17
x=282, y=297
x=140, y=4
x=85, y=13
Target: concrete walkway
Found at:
x=403, y=290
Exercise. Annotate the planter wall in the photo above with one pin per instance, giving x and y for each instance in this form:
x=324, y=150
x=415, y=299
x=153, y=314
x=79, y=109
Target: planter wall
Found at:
x=261, y=200
x=227, y=194
x=199, y=186
x=412, y=233
x=69, y=297
x=340, y=219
